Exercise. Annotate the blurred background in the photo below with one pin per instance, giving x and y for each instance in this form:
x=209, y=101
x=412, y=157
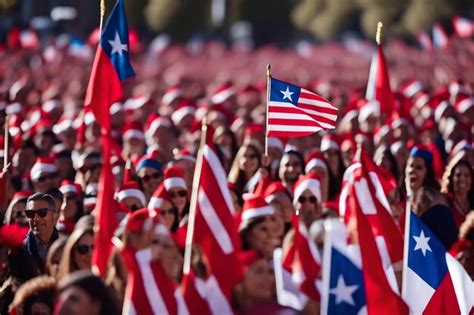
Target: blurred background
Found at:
x=255, y=22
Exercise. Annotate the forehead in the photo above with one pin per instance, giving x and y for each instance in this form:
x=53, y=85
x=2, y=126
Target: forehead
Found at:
x=461, y=168
x=147, y=170
x=36, y=204
x=289, y=158
x=415, y=160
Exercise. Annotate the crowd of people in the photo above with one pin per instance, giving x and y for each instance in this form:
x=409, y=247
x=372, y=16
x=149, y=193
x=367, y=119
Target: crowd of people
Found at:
x=424, y=148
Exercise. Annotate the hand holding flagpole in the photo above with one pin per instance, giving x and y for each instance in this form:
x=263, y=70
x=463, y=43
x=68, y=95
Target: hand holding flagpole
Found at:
x=269, y=77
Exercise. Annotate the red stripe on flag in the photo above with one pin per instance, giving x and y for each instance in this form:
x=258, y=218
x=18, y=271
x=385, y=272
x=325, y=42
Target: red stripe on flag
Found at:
x=293, y=122
x=316, y=108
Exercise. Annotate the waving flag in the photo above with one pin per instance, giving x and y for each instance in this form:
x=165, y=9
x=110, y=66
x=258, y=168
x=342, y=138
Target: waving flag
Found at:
x=111, y=66
x=434, y=282
x=440, y=38
x=343, y=290
x=296, y=112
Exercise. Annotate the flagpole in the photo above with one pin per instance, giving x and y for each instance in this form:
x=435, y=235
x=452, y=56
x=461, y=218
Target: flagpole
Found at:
x=5, y=143
x=194, y=197
x=378, y=35
x=269, y=77
x=405, y=250
x=102, y=14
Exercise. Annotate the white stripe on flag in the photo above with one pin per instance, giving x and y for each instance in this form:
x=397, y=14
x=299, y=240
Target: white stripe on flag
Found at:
x=365, y=197
x=153, y=294
x=294, y=128
x=218, y=230
x=289, y=116
x=463, y=285
x=309, y=101
x=220, y=176
x=182, y=307
x=210, y=291
x=418, y=293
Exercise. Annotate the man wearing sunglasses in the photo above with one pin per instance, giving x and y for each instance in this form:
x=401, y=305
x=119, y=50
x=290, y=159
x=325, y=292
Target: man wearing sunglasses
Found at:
x=42, y=217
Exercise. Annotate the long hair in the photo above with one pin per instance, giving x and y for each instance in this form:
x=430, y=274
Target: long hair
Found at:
x=236, y=175
x=68, y=264
x=447, y=186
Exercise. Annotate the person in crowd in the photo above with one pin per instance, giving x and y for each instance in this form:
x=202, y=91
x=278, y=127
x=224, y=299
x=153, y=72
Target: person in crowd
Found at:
x=77, y=252
x=290, y=168
x=81, y=292
x=224, y=139
x=246, y=163
x=280, y=199
x=458, y=187
x=72, y=208
x=256, y=228
x=35, y=297
x=177, y=190
x=315, y=163
x=165, y=250
x=307, y=199
x=150, y=174
x=88, y=167
x=162, y=204
x=131, y=197
x=53, y=257
x=42, y=218
x=16, y=209
x=332, y=154
x=43, y=175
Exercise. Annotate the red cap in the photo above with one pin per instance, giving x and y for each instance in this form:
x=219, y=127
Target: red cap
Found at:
x=223, y=93
x=174, y=177
x=140, y=221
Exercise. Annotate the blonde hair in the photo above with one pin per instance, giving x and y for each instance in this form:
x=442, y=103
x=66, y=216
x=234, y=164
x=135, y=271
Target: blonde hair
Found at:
x=67, y=264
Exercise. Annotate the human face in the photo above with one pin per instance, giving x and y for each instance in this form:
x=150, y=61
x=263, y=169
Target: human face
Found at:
x=83, y=251
x=167, y=214
x=45, y=182
x=309, y=207
x=150, y=179
x=259, y=281
x=462, y=180
x=40, y=308
x=332, y=158
x=283, y=206
x=249, y=161
x=132, y=203
x=261, y=237
x=69, y=206
x=164, y=249
x=179, y=196
x=18, y=214
x=290, y=168
x=42, y=228
x=75, y=300
x=415, y=173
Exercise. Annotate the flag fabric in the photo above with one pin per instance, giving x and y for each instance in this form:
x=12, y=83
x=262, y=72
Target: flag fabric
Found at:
x=214, y=227
x=149, y=290
x=111, y=66
x=424, y=40
x=296, y=112
x=440, y=38
x=463, y=27
x=343, y=290
x=434, y=282
x=381, y=294
x=378, y=85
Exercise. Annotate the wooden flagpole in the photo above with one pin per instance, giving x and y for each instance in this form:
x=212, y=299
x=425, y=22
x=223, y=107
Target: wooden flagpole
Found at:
x=269, y=77
x=6, y=142
x=378, y=35
x=194, y=197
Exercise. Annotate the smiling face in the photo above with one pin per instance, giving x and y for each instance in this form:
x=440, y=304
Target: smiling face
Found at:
x=249, y=161
x=150, y=179
x=290, y=168
x=42, y=228
x=462, y=180
x=415, y=173
x=309, y=208
x=83, y=251
x=179, y=196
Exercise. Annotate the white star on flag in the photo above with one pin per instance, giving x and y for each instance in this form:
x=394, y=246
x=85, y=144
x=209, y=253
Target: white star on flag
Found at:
x=287, y=94
x=117, y=46
x=422, y=243
x=343, y=292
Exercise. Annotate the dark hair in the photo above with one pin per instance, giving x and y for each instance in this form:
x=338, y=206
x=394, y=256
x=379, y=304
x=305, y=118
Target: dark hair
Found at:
x=29, y=144
x=245, y=233
x=55, y=193
x=37, y=290
x=447, y=182
x=44, y=197
x=94, y=287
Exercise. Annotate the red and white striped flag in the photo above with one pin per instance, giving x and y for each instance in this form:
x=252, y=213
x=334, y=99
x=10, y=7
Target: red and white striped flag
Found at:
x=296, y=112
x=211, y=226
x=463, y=27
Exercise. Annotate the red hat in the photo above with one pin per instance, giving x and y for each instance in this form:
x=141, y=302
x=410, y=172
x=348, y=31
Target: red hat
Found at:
x=171, y=94
x=135, y=102
x=22, y=194
x=184, y=154
x=130, y=189
x=307, y=182
x=185, y=107
x=254, y=129
x=91, y=195
x=461, y=145
x=457, y=87
x=411, y=87
x=69, y=186
x=315, y=159
x=421, y=100
x=223, y=93
x=133, y=129
x=140, y=221
x=12, y=235
x=62, y=125
x=51, y=105
x=254, y=207
x=369, y=108
x=274, y=188
x=330, y=141
x=116, y=108
x=441, y=109
x=174, y=177
x=428, y=125
x=154, y=122
x=43, y=165
x=463, y=103
x=159, y=196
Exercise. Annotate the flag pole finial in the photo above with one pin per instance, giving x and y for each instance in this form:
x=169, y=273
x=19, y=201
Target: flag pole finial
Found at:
x=378, y=35
x=269, y=77
x=102, y=14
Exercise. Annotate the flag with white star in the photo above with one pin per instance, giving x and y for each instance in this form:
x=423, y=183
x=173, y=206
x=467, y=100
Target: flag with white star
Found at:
x=343, y=290
x=296, y=112
x=111, y=66
x=433, y=281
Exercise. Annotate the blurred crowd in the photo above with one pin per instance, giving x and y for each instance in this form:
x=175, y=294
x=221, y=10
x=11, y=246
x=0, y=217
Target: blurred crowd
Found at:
x=425, y=148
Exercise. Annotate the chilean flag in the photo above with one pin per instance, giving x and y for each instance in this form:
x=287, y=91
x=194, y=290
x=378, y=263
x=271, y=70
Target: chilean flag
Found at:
x=111, y=66
x=433, y=281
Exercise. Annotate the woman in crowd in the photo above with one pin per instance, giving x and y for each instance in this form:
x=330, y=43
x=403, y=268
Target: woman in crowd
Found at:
x=77, y=253
x=35, y=297
x=53, y=257
x=16, y=209
x=458, y=187
x=177, y=190
x=150, y=174
x=246, y=163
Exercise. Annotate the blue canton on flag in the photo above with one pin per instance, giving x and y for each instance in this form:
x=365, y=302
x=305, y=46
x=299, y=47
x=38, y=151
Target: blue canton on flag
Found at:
x=114, y=41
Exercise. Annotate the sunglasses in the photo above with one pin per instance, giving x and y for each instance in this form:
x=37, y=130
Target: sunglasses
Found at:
x=46, y=177
x=303, y=199
x=147, y=178
x=179, y=193
x=84, y=249
x=165, y=212
x=41, y=212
